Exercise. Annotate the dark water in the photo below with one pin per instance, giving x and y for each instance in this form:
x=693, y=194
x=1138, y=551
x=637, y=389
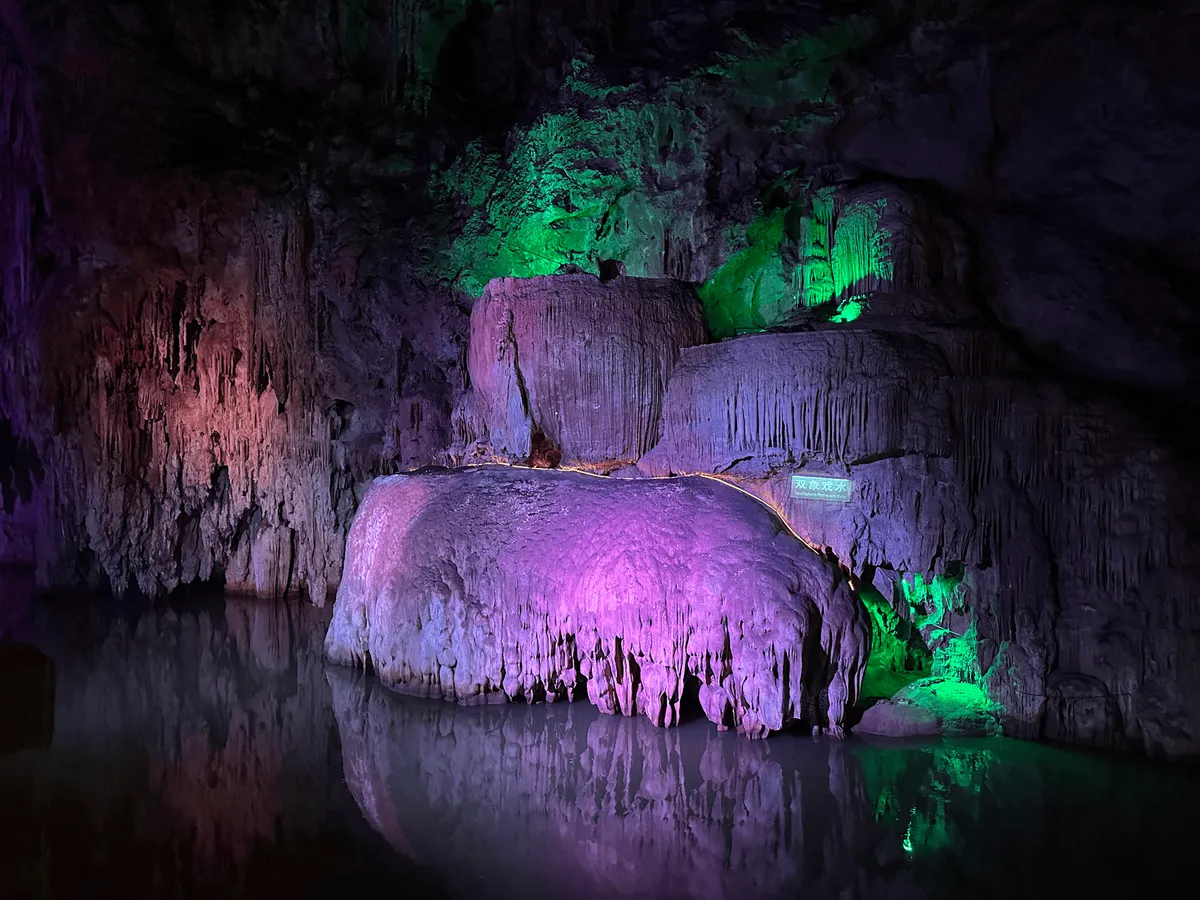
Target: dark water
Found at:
x=207, y=750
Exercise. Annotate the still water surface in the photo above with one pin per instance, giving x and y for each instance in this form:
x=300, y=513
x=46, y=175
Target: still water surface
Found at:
x=206, y=749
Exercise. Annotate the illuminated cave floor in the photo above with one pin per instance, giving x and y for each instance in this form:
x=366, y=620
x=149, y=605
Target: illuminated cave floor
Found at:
x=206, y=750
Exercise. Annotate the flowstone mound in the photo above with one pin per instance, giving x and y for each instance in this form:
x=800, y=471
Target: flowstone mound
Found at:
x=495, y=583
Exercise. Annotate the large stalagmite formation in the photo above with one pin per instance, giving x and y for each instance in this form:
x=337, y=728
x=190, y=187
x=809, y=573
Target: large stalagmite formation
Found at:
x=498, y=583
x=549, y=358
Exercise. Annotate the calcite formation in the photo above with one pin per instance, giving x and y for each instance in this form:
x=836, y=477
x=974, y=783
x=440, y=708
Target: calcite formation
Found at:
x=957, y=459
x=231, y=297
x=549, y=355
x=494, y=583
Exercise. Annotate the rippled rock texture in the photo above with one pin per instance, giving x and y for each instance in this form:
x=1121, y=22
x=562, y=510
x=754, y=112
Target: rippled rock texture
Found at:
x=571, y=369
x=973, y=493
x=499, y=583
x=611, y=806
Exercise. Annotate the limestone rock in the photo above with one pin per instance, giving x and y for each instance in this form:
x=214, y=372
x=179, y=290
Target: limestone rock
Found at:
x=888, y=718
x=499, y=583
x=577, y=363
x=954, y=457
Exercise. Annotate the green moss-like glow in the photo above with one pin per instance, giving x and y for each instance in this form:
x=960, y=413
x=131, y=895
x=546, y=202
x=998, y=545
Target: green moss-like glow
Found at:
x=898, y=653
x=620, y=177
x=571, y=192
x=580, y=81
x=955, y=656
x=752, y=290
x=954, y=690
x=844, y=251
x=848, y=311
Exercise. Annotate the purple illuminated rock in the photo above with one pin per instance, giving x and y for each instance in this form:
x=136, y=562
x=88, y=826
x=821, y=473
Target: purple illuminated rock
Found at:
x=493, y=583
x=576, y=362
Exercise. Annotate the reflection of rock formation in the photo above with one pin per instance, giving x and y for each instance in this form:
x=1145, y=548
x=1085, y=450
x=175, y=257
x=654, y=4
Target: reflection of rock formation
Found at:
x=482, y=584
x=188, y=746
x=1003, y=818
x=534, y=798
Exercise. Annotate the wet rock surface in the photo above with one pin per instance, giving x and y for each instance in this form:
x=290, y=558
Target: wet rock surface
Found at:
x=494, y=584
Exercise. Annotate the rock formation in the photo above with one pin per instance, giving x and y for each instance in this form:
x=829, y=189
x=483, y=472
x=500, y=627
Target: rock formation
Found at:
x=549, y=358
x=239, y=253
x=958, y=459
x=497, y=583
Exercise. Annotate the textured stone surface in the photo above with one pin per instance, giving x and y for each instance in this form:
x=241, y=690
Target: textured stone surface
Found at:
x=574, y=364
x=319, y=190
x=497, y=583
x=956, y=457
x=889, y=718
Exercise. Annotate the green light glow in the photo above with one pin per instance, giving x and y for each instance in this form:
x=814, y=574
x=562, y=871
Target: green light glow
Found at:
x=751, y=291
x=619, y=177
x=920, y=660
x=580, y=81
x=816, y=487
x=843, y=251
x=848, y=311
x=842, y=254
x=931, y=794
x=570, y=191
x=898, y=652
x=955, y=655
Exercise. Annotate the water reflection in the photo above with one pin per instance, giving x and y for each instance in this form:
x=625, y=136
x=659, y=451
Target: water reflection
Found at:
x=522, y=801
x=551, y=801
x=993, y=817
x=193, y=753
x=207, y=750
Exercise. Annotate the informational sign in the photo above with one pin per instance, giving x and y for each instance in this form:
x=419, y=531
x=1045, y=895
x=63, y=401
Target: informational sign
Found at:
x=819, y=487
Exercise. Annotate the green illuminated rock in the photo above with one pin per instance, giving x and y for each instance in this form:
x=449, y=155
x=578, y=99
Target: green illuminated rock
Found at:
x=573, y=191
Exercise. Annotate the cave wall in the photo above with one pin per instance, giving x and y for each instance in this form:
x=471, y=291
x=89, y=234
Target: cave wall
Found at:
x=240, y=248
